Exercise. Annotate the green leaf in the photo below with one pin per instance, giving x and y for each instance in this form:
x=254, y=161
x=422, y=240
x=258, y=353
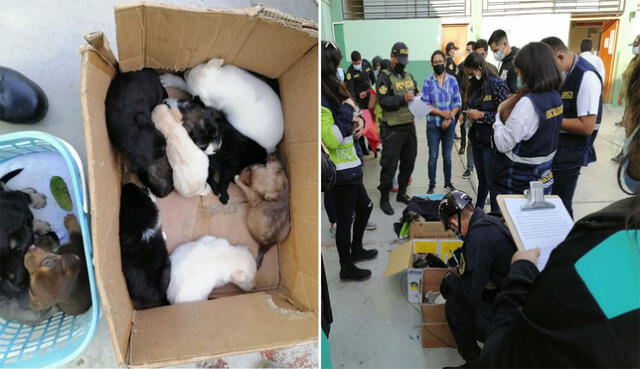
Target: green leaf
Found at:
x=61, y=193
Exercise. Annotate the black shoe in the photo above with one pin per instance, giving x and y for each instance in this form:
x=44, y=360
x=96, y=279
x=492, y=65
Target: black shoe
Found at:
x=618, y=124
x=430, y=190
x=617, y=158
x=449, y=187
x=21, y=99
x=385, y=205
x=360, y=254
x=466, y=174
x=355, y=274
x=465, y=365
x=403, y=198
x=461, y=151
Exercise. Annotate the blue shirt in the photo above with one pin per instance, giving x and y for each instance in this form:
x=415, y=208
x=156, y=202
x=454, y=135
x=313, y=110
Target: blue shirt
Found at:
x=446, y=97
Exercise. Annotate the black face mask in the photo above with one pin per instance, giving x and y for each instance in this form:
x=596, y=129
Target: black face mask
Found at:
x=438, y=69
x=399, y=68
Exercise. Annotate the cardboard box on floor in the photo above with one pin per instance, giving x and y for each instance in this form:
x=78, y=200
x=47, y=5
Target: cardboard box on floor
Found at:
x=434, y=230
x=435, y=329
x=285, y=312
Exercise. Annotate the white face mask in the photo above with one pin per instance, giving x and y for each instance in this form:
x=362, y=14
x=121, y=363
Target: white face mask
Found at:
x=358, y=67
x=498, y=55
x=635, y=50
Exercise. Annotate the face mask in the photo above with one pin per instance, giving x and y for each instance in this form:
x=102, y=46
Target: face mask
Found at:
x=498, y=55
x=357, y=67
x=438, y=69
x=519, y=83
x=399, y=68
x=632, y=185
x=375, y=73
x=340, y=74
x=635, y=50
x=453, y=53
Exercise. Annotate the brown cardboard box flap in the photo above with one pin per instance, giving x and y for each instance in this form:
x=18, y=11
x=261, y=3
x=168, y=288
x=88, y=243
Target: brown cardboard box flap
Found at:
x=429, y=230
x=164, y=36
x=437, y=335
x=101, y=45
x=205, y=330
x=399, y=259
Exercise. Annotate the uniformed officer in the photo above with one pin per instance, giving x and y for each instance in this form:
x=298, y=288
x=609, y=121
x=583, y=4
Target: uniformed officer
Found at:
x=484, y=262
x=376, y=64
x=581, y=95
x=368, y=69
x=357, y=81
x=396, y=88
x=450, y=64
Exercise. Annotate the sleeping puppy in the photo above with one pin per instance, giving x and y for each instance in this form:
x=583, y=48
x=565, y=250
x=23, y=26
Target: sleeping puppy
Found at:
x=200, y=122
x=130, y=99
x=235, y=153
x=190, y=165
x=58, y=274
x=249, y=104
x=267, y=190
x=143, y=251
x=200, y=266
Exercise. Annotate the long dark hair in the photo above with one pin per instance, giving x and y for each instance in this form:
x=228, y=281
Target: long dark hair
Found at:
x=332, y=88
x=537, y=64
x=476, y=61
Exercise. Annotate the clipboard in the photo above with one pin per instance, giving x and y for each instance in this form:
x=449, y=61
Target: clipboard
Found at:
x=507, y=217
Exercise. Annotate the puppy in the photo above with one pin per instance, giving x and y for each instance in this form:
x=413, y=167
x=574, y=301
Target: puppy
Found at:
x=199, y=267
x=190, y=165
x=200, y=122
x=145, y=262
x=249, y=104
x=235, y=153
x=267, y=190
x=58, y=274
x=158, y=177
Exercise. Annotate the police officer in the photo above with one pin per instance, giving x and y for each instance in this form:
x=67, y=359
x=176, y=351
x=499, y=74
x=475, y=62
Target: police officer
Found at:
x=484, y=262
x=368, y=69
x=376, y=64
x=450, y=65
x=581, y=95
x=357, y=81
x=527, y=131
x=396, y=88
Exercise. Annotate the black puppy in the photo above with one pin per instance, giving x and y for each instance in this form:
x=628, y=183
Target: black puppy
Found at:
x=236, y=152
x=201, y=122
x=130, y=99
x=17, y=228
x=145, y=261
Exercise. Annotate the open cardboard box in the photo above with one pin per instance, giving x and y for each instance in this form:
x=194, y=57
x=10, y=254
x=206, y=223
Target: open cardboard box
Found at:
x=285, y=312
x=433, y=230
x=435, y=329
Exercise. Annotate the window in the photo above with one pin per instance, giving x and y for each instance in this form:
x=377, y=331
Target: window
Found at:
x=511, y=7
x=402, y=9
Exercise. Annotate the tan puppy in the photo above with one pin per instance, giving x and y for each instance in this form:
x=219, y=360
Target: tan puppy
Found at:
x=58, y=274
x=267, y=190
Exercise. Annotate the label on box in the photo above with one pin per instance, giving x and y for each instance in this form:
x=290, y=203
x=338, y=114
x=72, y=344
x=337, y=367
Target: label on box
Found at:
x=414, y=285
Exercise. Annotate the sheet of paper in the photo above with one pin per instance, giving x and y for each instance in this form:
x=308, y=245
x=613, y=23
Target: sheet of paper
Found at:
x=543, y=228
x=419, y=108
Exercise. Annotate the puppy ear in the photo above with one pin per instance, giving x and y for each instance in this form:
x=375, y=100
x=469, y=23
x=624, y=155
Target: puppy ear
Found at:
x=70, y=264
x=197, y=100
x=216, y=62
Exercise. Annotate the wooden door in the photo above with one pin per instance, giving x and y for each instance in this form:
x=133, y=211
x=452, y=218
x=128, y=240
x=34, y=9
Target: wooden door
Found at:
x=608, y=40
x=456, y=33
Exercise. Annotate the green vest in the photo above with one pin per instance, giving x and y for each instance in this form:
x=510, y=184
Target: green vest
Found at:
x=399, y=86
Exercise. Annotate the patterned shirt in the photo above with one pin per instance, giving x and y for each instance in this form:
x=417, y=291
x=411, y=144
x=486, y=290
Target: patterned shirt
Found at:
x=446, y=97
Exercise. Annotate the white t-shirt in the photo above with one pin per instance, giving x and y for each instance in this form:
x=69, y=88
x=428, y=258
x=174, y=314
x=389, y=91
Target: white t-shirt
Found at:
x=595, y=61
x=589, y=95
x=521, y=125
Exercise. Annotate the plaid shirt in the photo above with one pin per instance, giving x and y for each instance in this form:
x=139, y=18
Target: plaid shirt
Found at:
x=446, y=97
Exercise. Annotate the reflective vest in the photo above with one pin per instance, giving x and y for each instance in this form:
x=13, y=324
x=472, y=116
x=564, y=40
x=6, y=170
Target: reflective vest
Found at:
x=399, y=86
x=576, y=150
x=531, y=160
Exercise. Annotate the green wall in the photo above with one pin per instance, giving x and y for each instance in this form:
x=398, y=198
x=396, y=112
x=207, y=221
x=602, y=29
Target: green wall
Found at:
x=628, y=29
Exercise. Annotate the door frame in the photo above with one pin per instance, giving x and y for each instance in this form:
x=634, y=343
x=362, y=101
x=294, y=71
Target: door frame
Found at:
x=443, y=44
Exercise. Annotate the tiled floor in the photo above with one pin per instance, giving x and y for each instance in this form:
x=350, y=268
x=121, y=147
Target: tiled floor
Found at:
x=374, y=325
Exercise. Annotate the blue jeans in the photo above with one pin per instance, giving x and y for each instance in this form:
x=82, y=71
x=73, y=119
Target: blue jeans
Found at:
x=485, y=159
x=435, y=135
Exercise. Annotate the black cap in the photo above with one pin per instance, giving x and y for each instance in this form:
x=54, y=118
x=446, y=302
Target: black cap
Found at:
x=451, y=45
x=376, y=61
x=452, y=204
x=636, y=41
x=401, y=51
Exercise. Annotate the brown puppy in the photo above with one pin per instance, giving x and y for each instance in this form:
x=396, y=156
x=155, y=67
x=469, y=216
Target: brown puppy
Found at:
x=58, y=274
x=267, y=189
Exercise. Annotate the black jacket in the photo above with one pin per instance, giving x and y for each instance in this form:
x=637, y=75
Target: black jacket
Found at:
x=367, y=68
x=450, y=66
x=357, y=82
x=508, y=71
x=552, y=319
x=486, y=257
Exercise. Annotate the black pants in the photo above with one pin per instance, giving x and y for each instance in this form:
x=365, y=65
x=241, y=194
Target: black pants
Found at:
x=399, y=143
x=330, y=206
x=564, y=185
x=463, y=130
x=353, y=207
x=468, y=326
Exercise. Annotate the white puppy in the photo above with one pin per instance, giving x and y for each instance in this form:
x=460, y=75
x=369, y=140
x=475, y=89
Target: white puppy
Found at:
x=200, y=266
x=249, y=104
x=190, y=165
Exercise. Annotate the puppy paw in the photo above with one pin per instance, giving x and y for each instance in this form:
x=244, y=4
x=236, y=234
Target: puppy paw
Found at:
x=71, y=223
x=40, y=227
x=172, y=81
x=38, y=200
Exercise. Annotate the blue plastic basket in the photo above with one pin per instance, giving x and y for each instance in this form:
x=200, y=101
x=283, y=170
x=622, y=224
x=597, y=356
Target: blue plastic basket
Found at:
x=62, y=337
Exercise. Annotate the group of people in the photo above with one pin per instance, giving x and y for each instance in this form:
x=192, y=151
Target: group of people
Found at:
x=533, y=119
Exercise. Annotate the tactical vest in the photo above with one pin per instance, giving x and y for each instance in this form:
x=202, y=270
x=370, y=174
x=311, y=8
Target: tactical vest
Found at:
x=576, y=150
x=531, y=160
x=399, y=86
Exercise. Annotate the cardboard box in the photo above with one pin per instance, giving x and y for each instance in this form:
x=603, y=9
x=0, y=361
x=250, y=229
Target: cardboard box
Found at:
x=433, y=230
x=435, y=329
x=401, y=258
x=285, y=312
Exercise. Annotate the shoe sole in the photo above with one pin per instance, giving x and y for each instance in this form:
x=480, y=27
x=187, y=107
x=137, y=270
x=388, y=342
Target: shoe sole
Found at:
x=371, y=228
x=355, y=280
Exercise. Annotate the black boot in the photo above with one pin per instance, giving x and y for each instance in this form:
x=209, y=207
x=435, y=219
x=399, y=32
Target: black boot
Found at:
x=358, y=253
x=385, y=205
x=353, y=273
x=402, y=197
x=21, y=99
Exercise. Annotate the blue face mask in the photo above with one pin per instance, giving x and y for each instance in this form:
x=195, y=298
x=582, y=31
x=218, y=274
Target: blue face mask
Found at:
x=340, y=74
x=358, y=67
x=631, y=186
x=519, y=83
